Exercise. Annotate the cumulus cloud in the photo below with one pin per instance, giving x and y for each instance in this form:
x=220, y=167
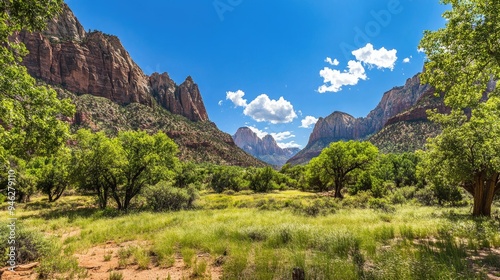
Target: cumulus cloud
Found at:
x=280, y=136
x=264, y=109
x=290, y=144
x=220, y=102
x=334, y=62
x=237, y=98
x=406, y=60
x=420, y=50
x=381, y=58
x=308, y=121
x=334, y=80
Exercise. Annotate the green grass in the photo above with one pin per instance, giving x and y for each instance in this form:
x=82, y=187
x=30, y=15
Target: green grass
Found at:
x=269, y=237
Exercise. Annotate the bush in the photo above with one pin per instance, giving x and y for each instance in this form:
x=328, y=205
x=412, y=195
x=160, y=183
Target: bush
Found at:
x=316, y=207
x=164, y=197
x=359, y=200
x=401, y=195
x=30, y=246
x=263, y=180
x=380, y=204
x=425, y=196
x=226, y=178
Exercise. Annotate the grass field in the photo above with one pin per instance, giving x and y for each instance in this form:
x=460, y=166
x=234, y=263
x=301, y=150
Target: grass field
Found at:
x=267, y=236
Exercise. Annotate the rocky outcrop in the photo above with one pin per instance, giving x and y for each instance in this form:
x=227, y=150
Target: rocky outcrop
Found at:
x=265, y=149
x=409, y=130
x=96, y=63
x=184, y=99
x=341, y=126
x=335, y=127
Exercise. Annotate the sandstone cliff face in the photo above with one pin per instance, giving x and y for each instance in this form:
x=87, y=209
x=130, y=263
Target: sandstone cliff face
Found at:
x=393, y=102
x=341, y=126
x=265, y=149
x=98, y=64
x=184, y=99
x=335, y=127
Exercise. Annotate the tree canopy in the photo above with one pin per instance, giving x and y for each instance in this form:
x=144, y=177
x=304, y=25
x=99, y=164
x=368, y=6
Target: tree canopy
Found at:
x=464, y=63
x=30, y=114
x=340, y=160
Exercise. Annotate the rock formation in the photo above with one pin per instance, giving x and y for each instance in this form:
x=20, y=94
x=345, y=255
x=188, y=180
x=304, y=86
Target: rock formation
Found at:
x=265, y=149
x=96, y=63
x=341, y=126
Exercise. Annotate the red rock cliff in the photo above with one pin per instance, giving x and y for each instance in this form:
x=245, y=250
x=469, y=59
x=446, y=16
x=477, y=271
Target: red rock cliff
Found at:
x=98, y=64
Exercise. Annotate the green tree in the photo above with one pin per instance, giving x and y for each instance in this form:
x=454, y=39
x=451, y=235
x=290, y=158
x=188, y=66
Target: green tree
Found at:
x=98, y=161
x=30, y=115
x=315, y=179
x=463, y=61
x=262, y=179
x=226, y=178
x=53, y=173
x=468, y=155
x=25, y=179
x=148, y=160
x=187, y=173
x=340, y=160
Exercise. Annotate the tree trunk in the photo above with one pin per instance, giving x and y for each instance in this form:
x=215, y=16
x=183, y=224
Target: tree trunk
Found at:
x=484, y=192
x=338, y=188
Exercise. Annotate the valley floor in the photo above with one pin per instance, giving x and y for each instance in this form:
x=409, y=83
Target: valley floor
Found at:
x=256, y=236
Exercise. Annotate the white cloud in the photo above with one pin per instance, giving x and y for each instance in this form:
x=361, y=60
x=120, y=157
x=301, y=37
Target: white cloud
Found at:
x=334, y=80
x=420, y=50
x=280, y=136
x=259, y=132
x=220, y=102
x=263, y=109
x=290, y=144
x=237, y=98
x=406, y=60
x=381, y=58
x=308, y=121
x=334, y=62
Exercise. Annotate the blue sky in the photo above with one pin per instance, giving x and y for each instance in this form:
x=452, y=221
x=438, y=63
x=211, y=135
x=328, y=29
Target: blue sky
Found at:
x=264, y=63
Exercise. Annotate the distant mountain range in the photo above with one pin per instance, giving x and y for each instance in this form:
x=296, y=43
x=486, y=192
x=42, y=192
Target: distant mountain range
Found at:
x=112, y=93
x=265, y=149
x=399, y=123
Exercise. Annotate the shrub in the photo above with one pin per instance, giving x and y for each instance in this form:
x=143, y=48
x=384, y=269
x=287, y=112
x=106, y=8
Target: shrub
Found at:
x=115, y=275
x=359, y=200
x=226, y=178
x=425, y=196
x=263, y=180
x=30, y=246
x=380, y=204
x=316, y=207
x=164, y=197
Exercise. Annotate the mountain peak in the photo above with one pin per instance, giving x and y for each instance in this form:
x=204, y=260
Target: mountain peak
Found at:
x=265, y=149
